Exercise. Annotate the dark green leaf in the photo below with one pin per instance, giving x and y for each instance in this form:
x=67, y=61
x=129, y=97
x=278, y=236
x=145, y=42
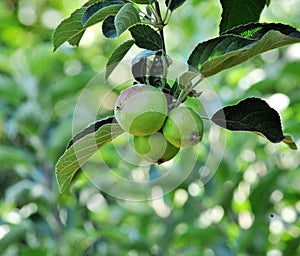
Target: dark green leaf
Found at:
x=90, y=2
x=186, y=78
x=253, y=115
x=240, y=44
x=175, y=89
x=238, y=12
x=126, y=17
x=76, y=38
x=142, y=1
x=69, y=29
x=72, y=28
x=108, y=27
x=292, y=246
x=145, y=37
x=90, y=129
x=174, y=4
x=117, y=56
x=216, y=49
x=82, y=147
x=90, y=18
x=257, y=30
x=263, y=191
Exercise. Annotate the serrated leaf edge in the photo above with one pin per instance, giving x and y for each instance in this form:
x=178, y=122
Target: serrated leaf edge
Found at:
x=129, y=44
x=81, y=160
x=222, y=122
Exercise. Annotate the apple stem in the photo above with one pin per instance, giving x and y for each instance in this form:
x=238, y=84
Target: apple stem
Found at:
x=205, y=118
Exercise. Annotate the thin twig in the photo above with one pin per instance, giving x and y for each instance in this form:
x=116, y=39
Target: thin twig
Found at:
x=160, y=21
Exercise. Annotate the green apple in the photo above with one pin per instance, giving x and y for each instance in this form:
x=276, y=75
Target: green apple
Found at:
x=183, y=127
x=154, y=148
x=141, y=109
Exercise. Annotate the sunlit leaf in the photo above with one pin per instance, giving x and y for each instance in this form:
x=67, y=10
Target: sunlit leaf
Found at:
x=99, y=10
x=125, y=18
x=186, y=78
x=100, y=15
x=238, y=45
x=70, y=29
x=257, y=30
x=82, y=147
x=290, y=142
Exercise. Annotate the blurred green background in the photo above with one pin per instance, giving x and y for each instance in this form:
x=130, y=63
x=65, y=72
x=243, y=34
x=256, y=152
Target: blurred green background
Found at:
x=251, y=206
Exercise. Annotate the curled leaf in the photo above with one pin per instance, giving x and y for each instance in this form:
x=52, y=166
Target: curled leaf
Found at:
x=253, y=115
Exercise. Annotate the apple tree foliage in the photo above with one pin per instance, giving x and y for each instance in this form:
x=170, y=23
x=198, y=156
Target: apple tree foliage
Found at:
x=241, y=37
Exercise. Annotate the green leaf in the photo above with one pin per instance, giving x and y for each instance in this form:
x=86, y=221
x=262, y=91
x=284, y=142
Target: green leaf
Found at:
x=108, y=27
x=262, y=192
x=90, y=129
x=256, y=31
x=117, y=56
x=240, y=44
x=99, y=11
x=238, y=12
x=174, y=4
x=82, y=147
x=15, y=235
x=113, y=26
x=12, y=156
x=253, y=115
x=73, y=28
x=145, y=37
x=289, y=141
x=175, y=89
x=142, y=1
x=90, y=2
x=186, y=78
x=70, y=29
x=126, y=17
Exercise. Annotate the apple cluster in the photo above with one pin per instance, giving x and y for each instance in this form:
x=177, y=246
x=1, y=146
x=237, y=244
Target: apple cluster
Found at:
x=159, y=133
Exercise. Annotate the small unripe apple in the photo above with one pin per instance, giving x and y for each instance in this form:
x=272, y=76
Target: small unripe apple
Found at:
x=141, y=109
x=183, y=127
x=154, y=148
